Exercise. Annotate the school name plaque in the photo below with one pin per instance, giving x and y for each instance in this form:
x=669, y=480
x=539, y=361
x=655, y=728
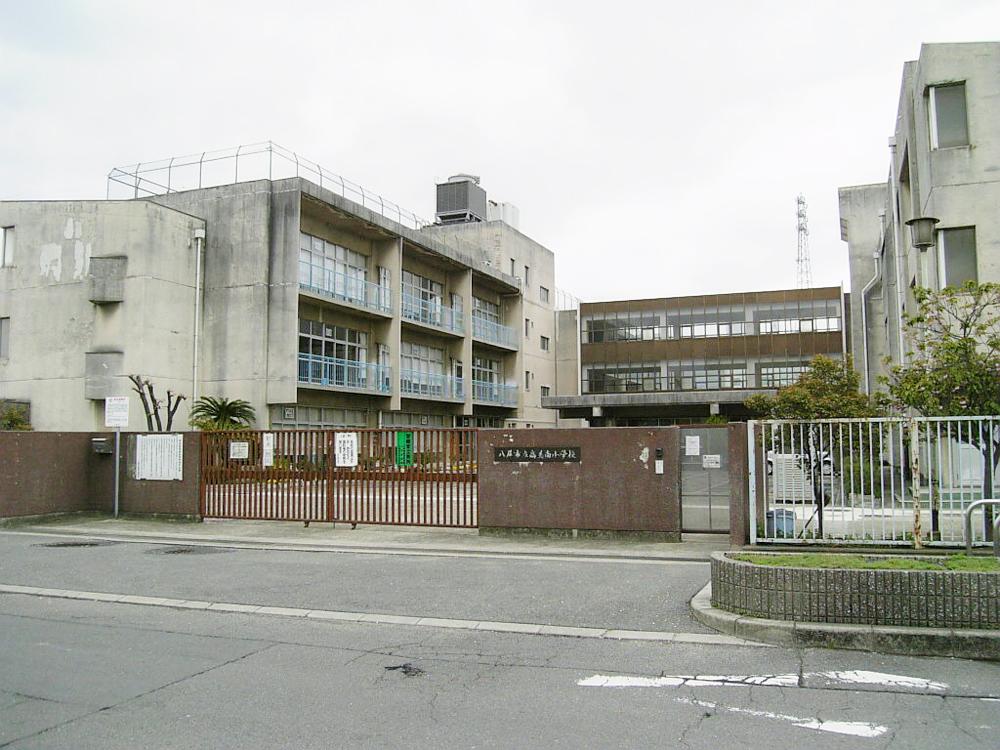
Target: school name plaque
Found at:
x=537, y=455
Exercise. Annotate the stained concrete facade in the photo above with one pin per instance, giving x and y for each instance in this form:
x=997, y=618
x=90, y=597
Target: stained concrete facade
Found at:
x=531, y=367
x=97, y=290
x=944, y=162
x=70, y=346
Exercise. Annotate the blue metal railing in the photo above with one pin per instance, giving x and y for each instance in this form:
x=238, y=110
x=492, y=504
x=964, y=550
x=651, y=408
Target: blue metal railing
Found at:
x=431, y=312
x=487, y=330
x=340, y=286
x=431, y=385
x=494, y=393
x=317, y=370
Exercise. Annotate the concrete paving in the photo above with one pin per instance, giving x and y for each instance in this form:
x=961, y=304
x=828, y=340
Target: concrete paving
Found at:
x=614, y=593
x=383, y=539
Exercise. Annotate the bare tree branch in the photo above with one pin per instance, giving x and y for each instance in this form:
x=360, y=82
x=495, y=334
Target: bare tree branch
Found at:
x=138, y=386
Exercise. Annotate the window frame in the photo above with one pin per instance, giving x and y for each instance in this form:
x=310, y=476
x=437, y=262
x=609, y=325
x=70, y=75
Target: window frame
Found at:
x=942, y=250
x=7, y=245
x=932, y=112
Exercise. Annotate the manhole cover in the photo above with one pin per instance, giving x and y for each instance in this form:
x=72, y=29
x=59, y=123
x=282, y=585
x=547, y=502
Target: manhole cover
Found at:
x=75, y=544
x=184, y=551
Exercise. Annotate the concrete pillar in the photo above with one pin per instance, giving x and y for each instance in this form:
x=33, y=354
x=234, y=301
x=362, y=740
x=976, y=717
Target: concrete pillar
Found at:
x=389, y=255
x=460, y=283
x=514, y=317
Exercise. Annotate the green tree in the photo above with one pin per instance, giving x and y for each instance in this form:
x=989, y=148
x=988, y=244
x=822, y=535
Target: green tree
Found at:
x=211, y=413
x=954, y=370
x=829, y=389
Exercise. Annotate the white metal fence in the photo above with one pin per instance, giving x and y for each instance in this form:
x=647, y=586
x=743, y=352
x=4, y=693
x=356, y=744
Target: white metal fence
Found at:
x=872, y=481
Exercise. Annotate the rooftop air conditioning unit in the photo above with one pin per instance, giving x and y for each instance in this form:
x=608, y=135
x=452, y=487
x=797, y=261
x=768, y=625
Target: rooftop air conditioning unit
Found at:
x=460, y=200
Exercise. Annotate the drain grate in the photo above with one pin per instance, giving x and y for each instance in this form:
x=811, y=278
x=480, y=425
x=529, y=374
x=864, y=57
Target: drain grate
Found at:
x=184, y=551
x=75, y=544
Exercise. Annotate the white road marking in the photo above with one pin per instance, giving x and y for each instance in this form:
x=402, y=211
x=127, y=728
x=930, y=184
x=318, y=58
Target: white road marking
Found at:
x=852, y=728
x=863, y=677
x=851, y=677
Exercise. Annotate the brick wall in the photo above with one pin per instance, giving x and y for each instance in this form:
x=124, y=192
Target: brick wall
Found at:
x=58, y=472
x=913, y=598
x=613, y=488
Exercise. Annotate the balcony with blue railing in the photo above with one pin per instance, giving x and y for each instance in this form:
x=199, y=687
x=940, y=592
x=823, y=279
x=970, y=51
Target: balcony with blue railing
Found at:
x=430, y=312
x=494, y=393
x=491, y=332
x=342, y=287
x=432, y=385
x=344, y=373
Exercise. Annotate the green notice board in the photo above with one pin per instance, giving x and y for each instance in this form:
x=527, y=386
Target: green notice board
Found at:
x=404, y=449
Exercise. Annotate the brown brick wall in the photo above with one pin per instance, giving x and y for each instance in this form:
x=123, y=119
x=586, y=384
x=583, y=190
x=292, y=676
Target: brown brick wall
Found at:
x=611, y=489
x=57, y=472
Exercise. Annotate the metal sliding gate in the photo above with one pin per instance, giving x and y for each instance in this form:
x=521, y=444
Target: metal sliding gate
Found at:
x=409, y=477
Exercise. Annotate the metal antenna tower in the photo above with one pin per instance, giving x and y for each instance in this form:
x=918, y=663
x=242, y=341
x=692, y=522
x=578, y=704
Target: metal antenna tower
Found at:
x=803, y=268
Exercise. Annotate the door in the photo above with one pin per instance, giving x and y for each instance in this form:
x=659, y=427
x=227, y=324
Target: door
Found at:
x=705, y=479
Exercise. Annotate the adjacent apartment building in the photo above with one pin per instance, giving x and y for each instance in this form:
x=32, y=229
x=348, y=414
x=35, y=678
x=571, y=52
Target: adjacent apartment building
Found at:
x=683, y=359
x=319, y=309
x=944, y=164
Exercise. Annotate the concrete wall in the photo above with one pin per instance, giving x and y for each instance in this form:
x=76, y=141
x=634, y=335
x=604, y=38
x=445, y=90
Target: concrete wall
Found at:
x=499, y=244
x=250, y=324
x=58, y=472
x=862, y=218
x=958, y=185
x=613, y=489
x=54, y=325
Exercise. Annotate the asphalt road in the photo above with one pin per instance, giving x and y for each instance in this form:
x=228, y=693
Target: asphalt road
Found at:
x=627, y=595
x=78, y=674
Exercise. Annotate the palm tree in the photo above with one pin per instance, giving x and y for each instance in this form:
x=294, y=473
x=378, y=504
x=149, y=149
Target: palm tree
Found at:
x=211, y=413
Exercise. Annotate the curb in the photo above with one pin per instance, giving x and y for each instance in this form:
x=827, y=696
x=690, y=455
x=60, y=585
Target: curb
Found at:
x=983, y=645
x=389, y=549
x=379, y=618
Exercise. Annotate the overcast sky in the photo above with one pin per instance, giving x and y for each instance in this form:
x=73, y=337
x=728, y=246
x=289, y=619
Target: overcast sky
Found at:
x=657, y=148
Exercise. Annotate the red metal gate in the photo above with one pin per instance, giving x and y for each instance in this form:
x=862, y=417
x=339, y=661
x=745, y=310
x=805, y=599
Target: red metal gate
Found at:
x=404, y=477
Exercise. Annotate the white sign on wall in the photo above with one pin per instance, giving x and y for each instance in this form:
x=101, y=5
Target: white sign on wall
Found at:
x=268, y=448
x=116, y=411
x=159, y=457
x=345, y=446
x=692, y=445
x=711, y=461
x=239, y=449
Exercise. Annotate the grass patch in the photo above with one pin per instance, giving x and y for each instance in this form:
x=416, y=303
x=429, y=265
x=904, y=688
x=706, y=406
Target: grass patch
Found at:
x=962, y=563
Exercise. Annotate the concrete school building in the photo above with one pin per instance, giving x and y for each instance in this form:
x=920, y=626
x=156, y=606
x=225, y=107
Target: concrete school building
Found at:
x=681, y=360
x=944, y=165
x=304, y=295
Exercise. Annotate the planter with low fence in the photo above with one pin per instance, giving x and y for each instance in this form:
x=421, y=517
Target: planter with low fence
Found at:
x=914, y=598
